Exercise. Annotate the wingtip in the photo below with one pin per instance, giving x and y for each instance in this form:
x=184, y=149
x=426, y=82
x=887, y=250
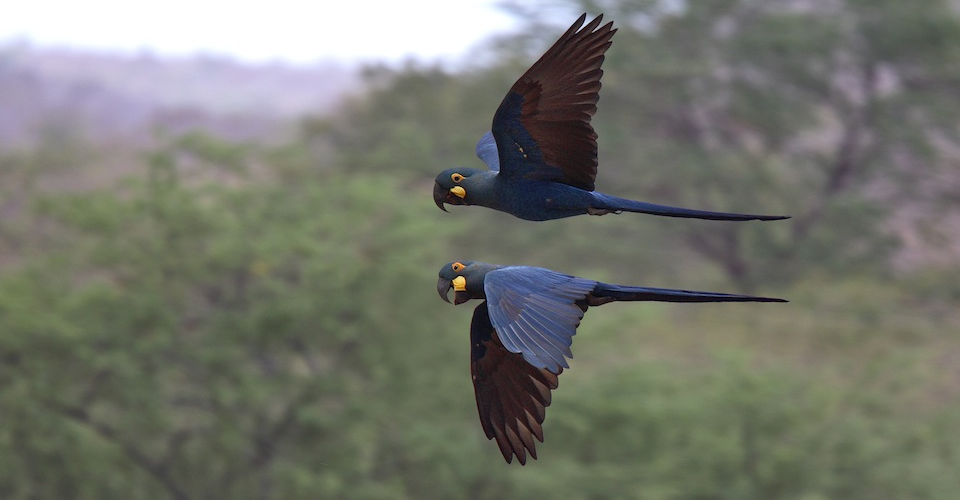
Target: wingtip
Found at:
x=578, y=26
x=592, y=25
x=575, y=27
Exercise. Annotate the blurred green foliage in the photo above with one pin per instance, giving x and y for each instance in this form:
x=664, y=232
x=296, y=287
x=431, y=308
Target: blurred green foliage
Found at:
x=250, y=321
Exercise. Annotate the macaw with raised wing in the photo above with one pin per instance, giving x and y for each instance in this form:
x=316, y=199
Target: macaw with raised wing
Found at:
x=521, y=335
x=542, y=151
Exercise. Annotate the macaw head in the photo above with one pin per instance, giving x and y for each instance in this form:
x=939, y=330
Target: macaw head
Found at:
x=452, y=186
x=465, y=278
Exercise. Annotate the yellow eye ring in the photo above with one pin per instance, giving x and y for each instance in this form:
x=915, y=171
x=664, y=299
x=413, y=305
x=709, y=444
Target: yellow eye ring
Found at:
x=456, y=177
x=457, y=267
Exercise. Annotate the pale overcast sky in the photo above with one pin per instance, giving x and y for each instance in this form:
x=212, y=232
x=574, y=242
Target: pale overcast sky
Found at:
x=300, y=31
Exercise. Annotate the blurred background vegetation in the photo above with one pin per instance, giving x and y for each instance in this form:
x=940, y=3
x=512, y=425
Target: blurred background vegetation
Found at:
x=193, y=315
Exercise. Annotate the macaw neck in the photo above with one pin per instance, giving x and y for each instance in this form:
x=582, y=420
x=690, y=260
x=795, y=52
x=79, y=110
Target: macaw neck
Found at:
x=482, y=189
x=477, y=277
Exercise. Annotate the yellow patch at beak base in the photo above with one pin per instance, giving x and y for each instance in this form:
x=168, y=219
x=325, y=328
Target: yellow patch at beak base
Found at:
x=460, y=284
x=459, y=191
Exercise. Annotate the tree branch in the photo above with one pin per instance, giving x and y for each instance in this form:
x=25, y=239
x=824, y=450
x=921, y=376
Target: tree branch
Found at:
x=157, y=470
x=847, y=158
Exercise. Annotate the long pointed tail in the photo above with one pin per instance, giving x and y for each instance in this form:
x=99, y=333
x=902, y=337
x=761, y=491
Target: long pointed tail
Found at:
x=606, y=202
x=637, y=293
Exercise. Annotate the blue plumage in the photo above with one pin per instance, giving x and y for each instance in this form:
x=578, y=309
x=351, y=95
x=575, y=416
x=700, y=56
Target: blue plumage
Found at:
x=541, y=154
x=487, y=151
x=522, y=332
x=542, y=150
x=535, y=312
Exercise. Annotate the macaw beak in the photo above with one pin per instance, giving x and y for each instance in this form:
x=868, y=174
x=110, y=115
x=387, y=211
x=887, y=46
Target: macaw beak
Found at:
x=439, y=196
x=443, y=287
x=452, y=196
x=459, y=284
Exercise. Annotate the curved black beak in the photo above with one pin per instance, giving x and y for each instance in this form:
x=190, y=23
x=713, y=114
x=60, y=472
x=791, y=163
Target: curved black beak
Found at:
x=443, y=288
x=439, y=196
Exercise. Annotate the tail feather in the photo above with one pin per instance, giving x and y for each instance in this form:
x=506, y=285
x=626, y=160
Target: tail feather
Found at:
x=641, y=293
x=615, y=204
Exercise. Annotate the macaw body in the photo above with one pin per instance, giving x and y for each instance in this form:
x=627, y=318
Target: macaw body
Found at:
x=542, y=150
x=539, y=200
x=521, y=336
x=528, y=199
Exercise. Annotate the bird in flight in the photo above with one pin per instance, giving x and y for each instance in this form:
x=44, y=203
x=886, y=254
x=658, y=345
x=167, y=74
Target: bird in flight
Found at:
x=542, y=151
x=521, y=334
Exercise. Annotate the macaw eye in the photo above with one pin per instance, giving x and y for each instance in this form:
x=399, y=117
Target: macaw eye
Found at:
x=457, y=267
x=456, y=178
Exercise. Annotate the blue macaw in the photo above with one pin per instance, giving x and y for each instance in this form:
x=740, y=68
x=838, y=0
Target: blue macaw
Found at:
x=521, y=335
x=542, y=150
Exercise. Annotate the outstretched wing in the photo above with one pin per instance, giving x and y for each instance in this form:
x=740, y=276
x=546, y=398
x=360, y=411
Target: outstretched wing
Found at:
x=512, y=395
x=542, y=127
x=535, y=312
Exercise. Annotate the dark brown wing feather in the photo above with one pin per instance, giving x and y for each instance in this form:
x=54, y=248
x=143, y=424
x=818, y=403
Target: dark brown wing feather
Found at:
x=557, y=97
x=512, y=395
